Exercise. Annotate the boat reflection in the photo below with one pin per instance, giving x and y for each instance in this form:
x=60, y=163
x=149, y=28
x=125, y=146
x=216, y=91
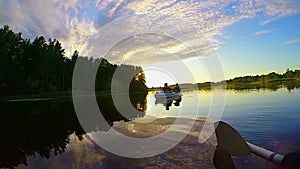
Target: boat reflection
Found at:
x=168, y=98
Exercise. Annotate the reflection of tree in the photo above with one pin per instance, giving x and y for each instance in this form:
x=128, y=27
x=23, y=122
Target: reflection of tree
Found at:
x=36, y=66
x=31, y=128
x=111, y=114
x=292, y=84
x=290, y=79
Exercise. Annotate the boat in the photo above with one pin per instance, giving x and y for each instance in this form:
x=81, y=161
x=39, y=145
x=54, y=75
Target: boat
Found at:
x=168, y=95
x=167, y=98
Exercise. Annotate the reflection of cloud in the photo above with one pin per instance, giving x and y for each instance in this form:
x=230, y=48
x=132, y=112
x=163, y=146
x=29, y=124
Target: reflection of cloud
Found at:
x=263, y=32
x=78, y=154
x=291, y=41
x=77, y=23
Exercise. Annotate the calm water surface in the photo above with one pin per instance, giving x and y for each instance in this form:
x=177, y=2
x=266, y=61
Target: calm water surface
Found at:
x=263, y=117
x=47, y=134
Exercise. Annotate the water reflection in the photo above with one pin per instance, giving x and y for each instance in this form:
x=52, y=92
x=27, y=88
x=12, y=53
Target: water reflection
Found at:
x=35, y=131
x=290, y=84
x=43, y=127
x=167, y=102
x=85, y=154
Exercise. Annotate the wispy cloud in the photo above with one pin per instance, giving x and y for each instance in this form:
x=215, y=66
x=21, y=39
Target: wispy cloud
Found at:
x=291, y=41
x=278, y=9
x=263, y=32
x=268, y=11
x=193, y=27
x=50, y=18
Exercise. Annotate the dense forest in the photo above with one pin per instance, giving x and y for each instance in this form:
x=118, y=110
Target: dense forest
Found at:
x=40, y=66
x=29, y=67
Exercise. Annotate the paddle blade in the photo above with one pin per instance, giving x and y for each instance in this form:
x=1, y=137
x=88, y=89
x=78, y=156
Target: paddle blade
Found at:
x=223, y=160
x=230, y=141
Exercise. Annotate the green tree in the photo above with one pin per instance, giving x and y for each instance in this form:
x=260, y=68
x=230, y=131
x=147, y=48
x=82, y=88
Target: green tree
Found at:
x=40, y=65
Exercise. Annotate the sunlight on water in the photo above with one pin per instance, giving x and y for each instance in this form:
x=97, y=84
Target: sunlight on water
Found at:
x=264, y=117
x=267, y=118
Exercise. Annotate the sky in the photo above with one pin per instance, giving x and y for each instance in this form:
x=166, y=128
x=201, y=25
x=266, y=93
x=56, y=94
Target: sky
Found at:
x=184, y=41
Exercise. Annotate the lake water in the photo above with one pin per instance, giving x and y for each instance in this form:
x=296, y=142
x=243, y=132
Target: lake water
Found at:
x=47, y=134
x=260, y=116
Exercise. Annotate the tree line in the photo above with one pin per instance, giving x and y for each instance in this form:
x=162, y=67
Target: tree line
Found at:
x=271, y=77
x=40, y=65
x=290, y=80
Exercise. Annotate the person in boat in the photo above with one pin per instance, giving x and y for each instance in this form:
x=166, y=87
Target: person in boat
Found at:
x=177, y=88
x=166, y=88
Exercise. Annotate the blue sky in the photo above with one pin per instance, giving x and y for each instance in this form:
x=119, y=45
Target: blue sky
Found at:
x=174, y=40
x=254, y=48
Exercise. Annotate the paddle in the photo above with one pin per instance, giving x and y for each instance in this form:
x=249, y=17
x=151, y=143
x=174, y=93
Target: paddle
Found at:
x=231, y=143
x=222, y=160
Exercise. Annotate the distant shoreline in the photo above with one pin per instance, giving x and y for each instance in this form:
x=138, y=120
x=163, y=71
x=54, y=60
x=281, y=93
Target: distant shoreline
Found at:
x=290, y=80
x=273, y=81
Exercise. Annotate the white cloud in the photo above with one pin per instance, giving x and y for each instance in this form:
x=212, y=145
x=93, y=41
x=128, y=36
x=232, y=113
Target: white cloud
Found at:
x=277, y=9
x=49, y=18
x=291, y=41
x=268, y=11
x=196, y=24
x=263, y=32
